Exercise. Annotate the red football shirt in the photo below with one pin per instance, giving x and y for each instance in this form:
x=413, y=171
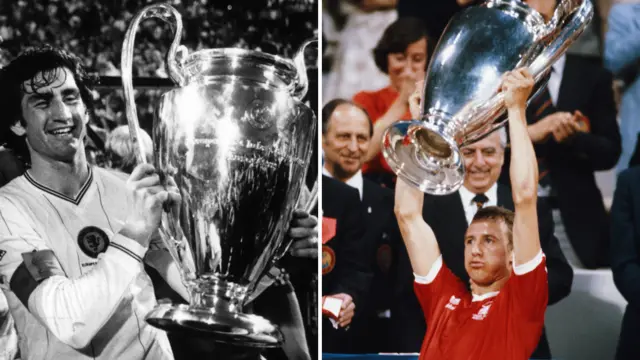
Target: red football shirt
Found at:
x=503, y=325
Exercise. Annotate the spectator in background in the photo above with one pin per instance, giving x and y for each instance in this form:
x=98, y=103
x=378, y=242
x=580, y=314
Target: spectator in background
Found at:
x=119, y=149
x=575, y=133
x=346, y=274
x=625, y=258
x=346, y=137
x=403, y=54
x=622, y=57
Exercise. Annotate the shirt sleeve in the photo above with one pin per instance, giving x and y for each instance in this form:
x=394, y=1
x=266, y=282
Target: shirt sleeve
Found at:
x=72, y=309
x=528, y=288
x=436, y=288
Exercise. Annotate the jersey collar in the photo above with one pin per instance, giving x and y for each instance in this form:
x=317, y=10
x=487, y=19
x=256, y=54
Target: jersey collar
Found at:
x=75, y=201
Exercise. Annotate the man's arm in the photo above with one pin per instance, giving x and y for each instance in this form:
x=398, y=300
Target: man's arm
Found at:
x=72, y=309
x=625, y=263
x=622, y=40
x=418, y=237
x=517, y=86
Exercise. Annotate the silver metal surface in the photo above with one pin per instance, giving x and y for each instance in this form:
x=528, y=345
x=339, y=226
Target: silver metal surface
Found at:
x=237, y=140
x=462, y=102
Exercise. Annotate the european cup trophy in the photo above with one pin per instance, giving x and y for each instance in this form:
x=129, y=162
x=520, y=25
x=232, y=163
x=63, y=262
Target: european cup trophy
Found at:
x=461, y=98
x=237, y=140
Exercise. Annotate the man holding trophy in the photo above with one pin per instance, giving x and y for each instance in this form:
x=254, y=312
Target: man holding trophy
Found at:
x=503, y=315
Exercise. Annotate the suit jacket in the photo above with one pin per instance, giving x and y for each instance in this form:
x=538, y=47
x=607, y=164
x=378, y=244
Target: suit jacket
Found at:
x=345, y=266
x=445, y=214
x=625, y=258
x=585, y=86
x=371, y=333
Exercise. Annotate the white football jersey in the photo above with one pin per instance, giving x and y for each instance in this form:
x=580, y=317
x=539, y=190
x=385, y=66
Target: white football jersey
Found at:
x=84, y=285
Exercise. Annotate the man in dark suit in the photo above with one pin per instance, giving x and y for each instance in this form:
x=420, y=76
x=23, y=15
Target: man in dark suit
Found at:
x=346, y=135
x=346, y=274
x=575, y=133
x=449, y=217
x=625, y=258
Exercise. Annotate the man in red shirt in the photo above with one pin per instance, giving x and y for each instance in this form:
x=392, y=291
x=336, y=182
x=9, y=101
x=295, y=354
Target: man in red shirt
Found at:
x=503, y=315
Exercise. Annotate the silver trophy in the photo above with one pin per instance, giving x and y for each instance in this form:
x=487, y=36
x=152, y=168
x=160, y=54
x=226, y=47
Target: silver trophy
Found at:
x=462, y=102
x=237, y=140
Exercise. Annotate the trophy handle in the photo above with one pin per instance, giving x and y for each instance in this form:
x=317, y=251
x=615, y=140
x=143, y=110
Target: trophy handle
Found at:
x=302, y=83
x=541, y=66
x=170, y=15
x=566, y=36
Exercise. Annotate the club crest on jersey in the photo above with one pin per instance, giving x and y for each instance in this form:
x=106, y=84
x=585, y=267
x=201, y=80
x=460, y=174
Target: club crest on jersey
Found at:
x=93, y=241
x=328, y=259
x=453, y=302
x=482, y=313
x=2, y=253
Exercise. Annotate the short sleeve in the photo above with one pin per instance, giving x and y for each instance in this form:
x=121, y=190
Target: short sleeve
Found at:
x=438, y=285
x=528, y=288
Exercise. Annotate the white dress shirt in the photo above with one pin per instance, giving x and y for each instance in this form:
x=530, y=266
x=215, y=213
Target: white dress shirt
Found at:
x=555, y=79
x=470, y=207
x=355, y=181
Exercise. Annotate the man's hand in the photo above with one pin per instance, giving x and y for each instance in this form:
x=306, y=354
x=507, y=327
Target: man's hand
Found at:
x=347, y=310
x=148, y=196
x=517, y=86
x=304, y=232
x=407, y=86
x=561, y=125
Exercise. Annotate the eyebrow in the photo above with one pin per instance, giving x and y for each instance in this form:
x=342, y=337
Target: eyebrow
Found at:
x=37, y=96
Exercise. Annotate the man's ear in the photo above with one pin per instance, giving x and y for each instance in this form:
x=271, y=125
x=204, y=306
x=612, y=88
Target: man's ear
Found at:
x=18, y=129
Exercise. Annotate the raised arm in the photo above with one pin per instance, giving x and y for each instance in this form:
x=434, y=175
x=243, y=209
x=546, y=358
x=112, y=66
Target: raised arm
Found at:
x=418, y=237
x=517, y=86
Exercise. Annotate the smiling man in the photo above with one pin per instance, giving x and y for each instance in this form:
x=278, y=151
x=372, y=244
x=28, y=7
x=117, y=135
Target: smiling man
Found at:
x=73, y=238
x=346, y=137
x=450, y=217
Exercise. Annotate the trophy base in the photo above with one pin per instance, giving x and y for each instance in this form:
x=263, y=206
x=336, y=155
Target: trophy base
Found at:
x=226, y=327
x=423, y=155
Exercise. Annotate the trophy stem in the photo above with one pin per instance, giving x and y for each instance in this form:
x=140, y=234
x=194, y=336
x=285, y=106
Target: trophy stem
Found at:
x=215, y=311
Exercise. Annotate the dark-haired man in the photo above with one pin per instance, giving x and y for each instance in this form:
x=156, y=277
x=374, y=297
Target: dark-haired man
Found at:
x=73, y=237
x=502, y=316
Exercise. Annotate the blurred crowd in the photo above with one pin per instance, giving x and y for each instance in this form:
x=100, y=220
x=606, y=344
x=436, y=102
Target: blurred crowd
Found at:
x=585, y=121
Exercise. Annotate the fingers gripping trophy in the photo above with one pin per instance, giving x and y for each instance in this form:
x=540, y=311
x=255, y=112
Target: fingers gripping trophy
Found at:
x=236, y=139
x=462, y=101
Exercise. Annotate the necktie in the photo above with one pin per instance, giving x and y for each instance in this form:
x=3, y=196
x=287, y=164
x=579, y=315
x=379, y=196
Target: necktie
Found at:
x=480, y=200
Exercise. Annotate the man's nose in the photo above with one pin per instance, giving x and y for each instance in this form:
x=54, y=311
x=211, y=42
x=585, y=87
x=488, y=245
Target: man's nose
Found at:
x=478, y=158
x=353, y=144
x=59, y=111
x=475, y=248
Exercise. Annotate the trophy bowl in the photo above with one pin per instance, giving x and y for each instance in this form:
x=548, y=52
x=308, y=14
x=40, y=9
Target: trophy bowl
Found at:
x=236, y=139
x=461, y=100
